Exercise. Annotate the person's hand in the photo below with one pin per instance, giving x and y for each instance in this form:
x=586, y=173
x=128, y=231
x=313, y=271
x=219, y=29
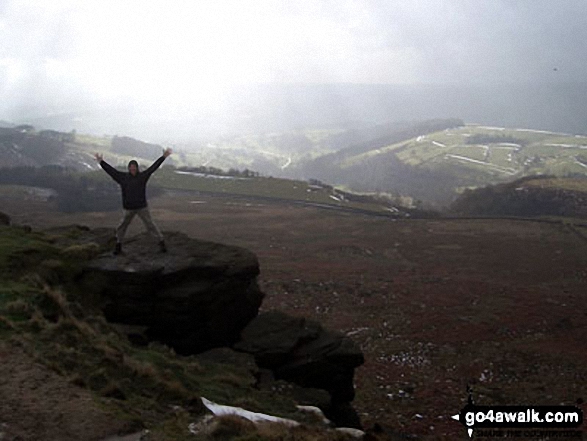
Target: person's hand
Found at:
x=99, y=157
x=167, y=152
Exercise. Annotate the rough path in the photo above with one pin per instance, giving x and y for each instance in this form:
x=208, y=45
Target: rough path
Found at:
x=38, y=404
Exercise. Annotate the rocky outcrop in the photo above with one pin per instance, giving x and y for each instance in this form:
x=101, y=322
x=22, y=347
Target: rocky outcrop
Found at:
x=204, y=295
x=199, y=295
x=303, y=352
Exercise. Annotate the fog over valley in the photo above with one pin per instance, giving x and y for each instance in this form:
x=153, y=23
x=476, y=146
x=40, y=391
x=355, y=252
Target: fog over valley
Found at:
x=193, y=71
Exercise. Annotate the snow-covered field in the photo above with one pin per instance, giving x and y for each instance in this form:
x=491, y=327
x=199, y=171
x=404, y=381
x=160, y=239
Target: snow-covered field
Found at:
x=203, y=175
x=509, y=171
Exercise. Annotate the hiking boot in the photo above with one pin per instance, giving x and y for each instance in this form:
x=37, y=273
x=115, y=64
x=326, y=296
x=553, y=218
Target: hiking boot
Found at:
x=118, y=248
x=162, y=247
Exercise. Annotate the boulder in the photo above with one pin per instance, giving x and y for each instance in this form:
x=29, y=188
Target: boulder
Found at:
x=303, y=352
x=199, y=295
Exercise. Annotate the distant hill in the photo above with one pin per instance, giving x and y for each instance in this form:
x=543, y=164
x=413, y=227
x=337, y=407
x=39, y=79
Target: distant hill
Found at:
x=531, y=196
x=434, y=166
x=429, y=161
x=21, y=147
x=125, y=145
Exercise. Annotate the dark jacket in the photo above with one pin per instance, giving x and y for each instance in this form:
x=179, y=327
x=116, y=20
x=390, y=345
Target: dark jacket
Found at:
x=133, y=187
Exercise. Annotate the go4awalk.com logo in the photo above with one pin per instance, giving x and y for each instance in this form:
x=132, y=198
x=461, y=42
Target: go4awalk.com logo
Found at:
x=521, y=421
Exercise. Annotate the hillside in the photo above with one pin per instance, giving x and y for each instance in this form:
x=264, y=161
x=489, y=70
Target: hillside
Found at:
x=63, y=165
x=435, y=167
x=426, y=163
x=531, y=196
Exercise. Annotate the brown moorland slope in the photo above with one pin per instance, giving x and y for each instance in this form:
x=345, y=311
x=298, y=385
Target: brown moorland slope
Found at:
x=434, y=304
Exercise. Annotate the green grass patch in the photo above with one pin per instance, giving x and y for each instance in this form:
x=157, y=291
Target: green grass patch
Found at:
x=572, y=184
x=475, y=152
x=258, y=186
x=21, y=250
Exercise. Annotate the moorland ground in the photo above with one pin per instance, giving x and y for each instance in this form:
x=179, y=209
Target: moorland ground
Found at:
x=434, y=304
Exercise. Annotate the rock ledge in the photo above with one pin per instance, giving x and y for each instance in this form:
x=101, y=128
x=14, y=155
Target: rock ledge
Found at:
x=199, y=295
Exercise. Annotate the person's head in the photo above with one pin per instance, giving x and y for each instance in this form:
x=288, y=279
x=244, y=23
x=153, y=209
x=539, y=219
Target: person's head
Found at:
x=133, y=167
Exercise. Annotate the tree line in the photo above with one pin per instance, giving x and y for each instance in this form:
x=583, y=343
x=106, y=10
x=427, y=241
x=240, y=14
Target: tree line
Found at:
x=75, y=192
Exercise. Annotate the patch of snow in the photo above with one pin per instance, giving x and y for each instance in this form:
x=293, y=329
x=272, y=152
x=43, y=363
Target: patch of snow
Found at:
x=406, y=359
x=538, y=131
x=504, y=147
x=355, y=433
x=198, y=202
x=509, y=171
x=580, y=163
x=41, y=193
x=491, y=128
x=568, y=146
x=284, y=166
x=438, y=144
x=335, y=198
x=510, y=144
x=203, y=175
x=200, y=426
x=356, y=331
x=486, y=376
x=255, y=417
x=315, y=410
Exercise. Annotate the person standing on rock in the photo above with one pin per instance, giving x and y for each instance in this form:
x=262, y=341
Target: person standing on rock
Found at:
x=134, y=199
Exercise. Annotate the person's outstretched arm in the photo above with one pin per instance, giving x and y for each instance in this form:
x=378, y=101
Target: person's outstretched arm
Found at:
x=158, y=162
x=114, y=174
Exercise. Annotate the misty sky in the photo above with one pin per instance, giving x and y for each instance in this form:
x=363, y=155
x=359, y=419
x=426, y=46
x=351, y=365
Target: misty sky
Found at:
x=62, y=51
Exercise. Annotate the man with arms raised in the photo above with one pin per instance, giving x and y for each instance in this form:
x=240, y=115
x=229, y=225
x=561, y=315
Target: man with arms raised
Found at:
x=134, y=199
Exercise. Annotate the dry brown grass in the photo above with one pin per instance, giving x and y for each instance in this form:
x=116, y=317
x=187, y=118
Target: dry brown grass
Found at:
x=19, y=306
x=5, y=324
x=229, y=379
x=140, y=368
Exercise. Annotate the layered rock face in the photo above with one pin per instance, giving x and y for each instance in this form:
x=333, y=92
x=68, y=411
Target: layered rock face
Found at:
x=303, y=352
x=197, y=296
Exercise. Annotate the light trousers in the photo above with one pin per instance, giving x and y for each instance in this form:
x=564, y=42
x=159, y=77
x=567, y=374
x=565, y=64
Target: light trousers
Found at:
x=145, y=216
